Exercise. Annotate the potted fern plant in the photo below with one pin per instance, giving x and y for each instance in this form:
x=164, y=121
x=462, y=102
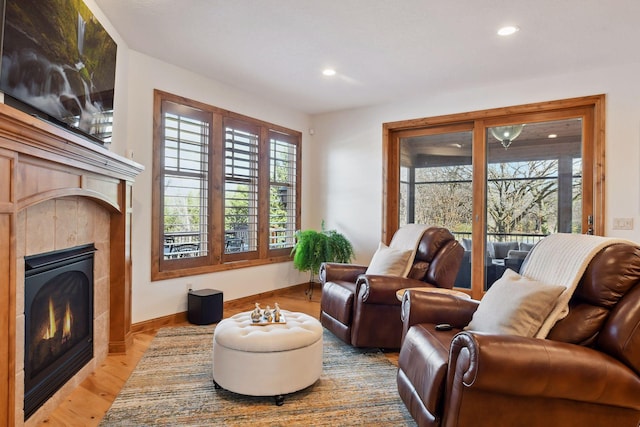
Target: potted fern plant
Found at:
x=313, y=247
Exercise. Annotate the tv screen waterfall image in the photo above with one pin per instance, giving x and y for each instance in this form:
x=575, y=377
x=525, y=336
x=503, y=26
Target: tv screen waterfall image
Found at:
x=58, y=59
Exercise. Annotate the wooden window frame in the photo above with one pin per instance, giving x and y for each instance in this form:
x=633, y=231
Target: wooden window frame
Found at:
x=216, y=259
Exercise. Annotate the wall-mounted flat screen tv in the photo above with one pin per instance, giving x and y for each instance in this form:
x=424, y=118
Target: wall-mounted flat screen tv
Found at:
x=59, y=63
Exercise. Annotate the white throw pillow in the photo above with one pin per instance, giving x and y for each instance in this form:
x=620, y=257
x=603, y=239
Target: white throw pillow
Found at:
x=390, y=262
x=515, y=305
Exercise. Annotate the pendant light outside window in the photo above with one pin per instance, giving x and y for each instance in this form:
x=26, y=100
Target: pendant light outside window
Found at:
x=506, y=134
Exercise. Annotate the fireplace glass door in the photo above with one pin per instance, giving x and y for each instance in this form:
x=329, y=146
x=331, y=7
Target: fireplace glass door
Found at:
x=58, y=320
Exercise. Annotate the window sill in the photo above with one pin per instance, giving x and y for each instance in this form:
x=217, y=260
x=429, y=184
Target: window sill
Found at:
x=157, y=275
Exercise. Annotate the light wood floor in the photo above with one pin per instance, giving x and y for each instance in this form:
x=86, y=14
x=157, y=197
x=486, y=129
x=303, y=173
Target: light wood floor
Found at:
x=90, y=401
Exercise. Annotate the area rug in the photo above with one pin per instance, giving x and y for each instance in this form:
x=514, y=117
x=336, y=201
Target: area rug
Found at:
x=173, y=386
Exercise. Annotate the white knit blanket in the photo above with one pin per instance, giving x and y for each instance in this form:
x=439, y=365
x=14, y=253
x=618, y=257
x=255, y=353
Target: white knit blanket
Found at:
x=407, y=238
x=561, y=259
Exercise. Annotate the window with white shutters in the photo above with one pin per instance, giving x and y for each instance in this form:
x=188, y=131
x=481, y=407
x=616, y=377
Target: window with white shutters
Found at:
x=226, y=189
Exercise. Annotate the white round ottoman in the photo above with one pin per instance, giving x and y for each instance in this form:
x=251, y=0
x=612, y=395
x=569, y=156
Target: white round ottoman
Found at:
x=270, y=360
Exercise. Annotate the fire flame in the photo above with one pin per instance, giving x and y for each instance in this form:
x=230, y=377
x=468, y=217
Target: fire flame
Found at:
x=67, y=320
x=51, y=330
x=66, y=324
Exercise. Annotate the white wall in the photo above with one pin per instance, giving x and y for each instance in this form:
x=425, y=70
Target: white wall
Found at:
x=161, y=298
x=348, y=146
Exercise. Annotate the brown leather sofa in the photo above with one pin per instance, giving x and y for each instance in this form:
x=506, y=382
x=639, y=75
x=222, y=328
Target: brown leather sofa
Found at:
x=364, y=311
x=586, y=373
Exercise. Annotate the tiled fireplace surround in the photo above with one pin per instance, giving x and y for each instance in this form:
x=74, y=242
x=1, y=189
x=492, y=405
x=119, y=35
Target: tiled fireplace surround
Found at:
x=53, y=225
x=59, y=191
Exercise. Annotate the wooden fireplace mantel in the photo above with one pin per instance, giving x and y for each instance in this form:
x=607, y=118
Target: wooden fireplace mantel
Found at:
x=40, y=162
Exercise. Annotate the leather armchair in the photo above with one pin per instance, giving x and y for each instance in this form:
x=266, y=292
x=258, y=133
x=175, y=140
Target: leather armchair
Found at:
x=364, y=311
x=586, y=372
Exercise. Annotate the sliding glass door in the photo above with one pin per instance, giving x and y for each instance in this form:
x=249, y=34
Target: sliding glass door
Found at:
x=500, y=181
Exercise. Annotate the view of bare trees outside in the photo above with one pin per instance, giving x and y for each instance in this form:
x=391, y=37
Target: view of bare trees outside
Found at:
x=533, y=182
x=522, y=198
x=442, y=197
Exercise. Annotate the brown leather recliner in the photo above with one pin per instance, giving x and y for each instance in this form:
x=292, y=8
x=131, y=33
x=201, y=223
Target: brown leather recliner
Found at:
x=364, y=311
x=585, y=373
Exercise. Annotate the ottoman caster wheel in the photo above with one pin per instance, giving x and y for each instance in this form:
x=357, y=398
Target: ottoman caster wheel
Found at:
x=279, y=400
x=216, y=385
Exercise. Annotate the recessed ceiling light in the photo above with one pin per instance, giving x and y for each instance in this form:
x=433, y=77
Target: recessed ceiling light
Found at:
x=329, y=72
x=552, y=135
x=508, y=30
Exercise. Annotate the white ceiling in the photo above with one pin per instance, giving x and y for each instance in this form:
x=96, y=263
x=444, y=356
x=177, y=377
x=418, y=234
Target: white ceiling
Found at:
x=381, y=49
